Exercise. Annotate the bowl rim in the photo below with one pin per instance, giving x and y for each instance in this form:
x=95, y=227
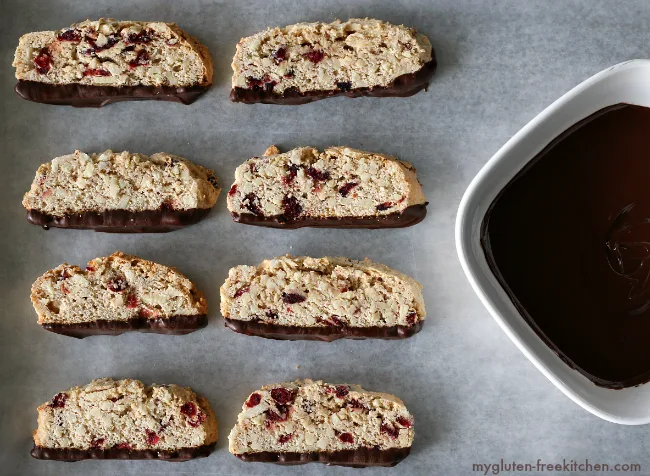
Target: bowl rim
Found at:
x=464, y=228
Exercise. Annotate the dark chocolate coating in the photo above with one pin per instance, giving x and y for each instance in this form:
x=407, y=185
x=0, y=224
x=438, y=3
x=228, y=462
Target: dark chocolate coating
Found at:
x=568, y=240
x=72, y=455
x=174, y=325
x=122, y=221
x=326, y=334
x=403, y=86
x=358, y=458
x=84, y=95
x=410, y=216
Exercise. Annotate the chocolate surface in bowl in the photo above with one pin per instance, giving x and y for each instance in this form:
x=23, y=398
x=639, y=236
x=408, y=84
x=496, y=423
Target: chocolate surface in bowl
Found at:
x=569, y=240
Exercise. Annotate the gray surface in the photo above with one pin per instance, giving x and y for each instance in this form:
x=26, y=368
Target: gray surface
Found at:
x=475, y=397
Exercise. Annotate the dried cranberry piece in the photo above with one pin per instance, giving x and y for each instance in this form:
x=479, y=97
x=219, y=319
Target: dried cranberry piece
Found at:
x=241, y=291
x=233, y=190
x=291, y=208
x=111, y=40
x=69, y=35
x=251, y=203
x=59, y=400
x=200, y=418
x=342, y=391
x=336, y=321
x=142, y=59
x=145, y=313
x=152, y=437
x=284, y=438
x=122, y=446
x=118, y=284
x=344, y=85
x=63, y=276
x=291, y=174
x=189, y=409
x=145, y=36
x=405, y=422
x=97, y=72
x=64, y=290
x=315, y=56
x=97, y=442
x=354, y=403
x=385, y=206
x=282, y=395
x=271, y=314
x=43, y=61
x=254, y=83
x=345, y=189
x=292, y=298
x=389, y=430
x=253, y=400
x=346, y=438
x=131, y=301
x=90, y=268
x=410, y=317
x=317, y=175
x=280, y=54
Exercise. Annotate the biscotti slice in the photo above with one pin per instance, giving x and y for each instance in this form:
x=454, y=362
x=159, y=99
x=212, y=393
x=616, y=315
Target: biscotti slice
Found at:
x=124, y=419
x=305, y=62
x=120, y=192
x=94, y=63
x=311, y=421
x=321, y=299
x=116, y=294
x=337, y=188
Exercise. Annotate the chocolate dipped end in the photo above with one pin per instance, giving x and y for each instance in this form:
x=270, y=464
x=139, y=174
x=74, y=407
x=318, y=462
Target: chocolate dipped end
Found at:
x=175, y=325
x=84, y=95
x=72, y=455
x=325, y=334
x=410, y=216
x=121, y=221
x=403, y=86
x=359, y=458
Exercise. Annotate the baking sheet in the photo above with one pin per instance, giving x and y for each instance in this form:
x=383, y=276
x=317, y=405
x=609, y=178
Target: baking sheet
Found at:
x=475, y=398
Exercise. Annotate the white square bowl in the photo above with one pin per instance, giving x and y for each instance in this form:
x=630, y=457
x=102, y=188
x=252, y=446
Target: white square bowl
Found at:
x=627, y=82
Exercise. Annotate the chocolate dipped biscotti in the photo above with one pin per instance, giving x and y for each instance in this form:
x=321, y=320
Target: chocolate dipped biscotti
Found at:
x=312, y=421
x=120, y=192
x=321, y=299
x=339, y=187
x=124, y=419
x=94, y=63
x=306, y=62
x=117, y=294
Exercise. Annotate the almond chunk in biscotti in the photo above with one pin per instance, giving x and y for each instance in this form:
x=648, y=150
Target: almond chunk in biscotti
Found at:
x=124, y=419
x=338, y=187
x=116, y=294
x=312, y=421
x=120, y=192
x=108, y=52
x=321, y=299
x=309, y=61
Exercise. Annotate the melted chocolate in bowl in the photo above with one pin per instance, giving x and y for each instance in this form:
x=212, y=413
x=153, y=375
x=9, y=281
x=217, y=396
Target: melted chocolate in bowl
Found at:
x=569, y=240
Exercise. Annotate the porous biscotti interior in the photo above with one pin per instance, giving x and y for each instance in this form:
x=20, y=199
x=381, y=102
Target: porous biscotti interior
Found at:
x=338, y=182
x=83, y=182
x=125, y=414
x=107, y=52
x=116, y=288
x=307, y=416
x=358, y=53
x=320, y=292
